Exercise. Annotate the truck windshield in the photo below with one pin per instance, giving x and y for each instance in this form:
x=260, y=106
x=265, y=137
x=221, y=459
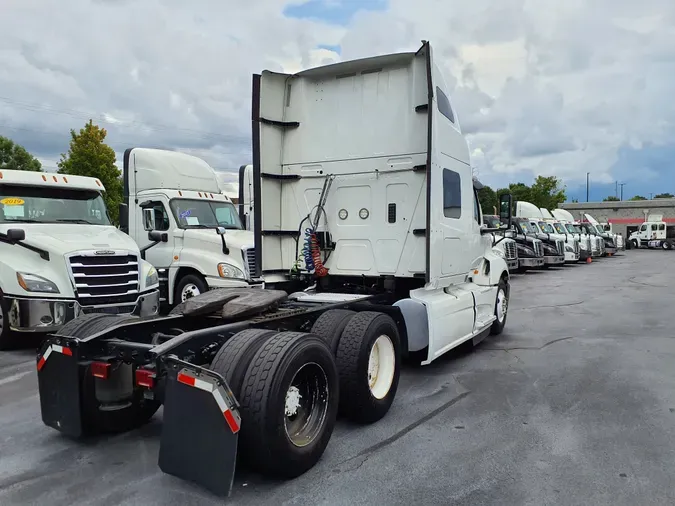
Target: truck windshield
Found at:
x=546, y=227
x=34, y=204
x=491, y=222
x=599, y=229
x=572, y=229
x=205, y=214
x=559, y=228
x=525, y=227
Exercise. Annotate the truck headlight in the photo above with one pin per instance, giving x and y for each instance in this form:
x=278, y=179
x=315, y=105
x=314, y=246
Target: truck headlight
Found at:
x=498, y=252
x=230, y=271
x=149, y=274
x=35, y=283
x=569, y=248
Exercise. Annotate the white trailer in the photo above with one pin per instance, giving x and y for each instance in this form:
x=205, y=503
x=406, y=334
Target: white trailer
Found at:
x=61, y=256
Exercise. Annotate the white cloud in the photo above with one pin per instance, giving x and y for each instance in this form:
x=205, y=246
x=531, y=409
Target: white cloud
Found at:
x=541, y=87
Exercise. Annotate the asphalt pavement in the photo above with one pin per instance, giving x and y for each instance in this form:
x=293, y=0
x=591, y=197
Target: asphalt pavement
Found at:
x=573, y=404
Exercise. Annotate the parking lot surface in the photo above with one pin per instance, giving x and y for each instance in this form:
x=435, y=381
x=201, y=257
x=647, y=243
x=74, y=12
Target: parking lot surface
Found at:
x=573, y=404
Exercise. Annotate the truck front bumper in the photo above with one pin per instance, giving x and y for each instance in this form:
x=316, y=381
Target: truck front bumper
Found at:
x=584, y=254
x=571, y=257
x=49, y=315
x=554, y=260
x=610, y=251
x=531, y=262
x=512, y=264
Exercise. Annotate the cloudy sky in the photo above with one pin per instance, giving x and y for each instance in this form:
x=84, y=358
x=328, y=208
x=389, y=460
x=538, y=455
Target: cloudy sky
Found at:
x=541, y=86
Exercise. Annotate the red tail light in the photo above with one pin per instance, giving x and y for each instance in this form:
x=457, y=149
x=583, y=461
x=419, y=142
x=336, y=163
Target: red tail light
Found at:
x=100, y=370
x=145, y=378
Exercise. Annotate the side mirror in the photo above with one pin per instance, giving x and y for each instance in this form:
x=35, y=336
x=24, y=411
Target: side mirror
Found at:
x=149, y=219
x=157, y=236
x=505, y=209
x=124, y=216
x=220, y=230
x=16, y=234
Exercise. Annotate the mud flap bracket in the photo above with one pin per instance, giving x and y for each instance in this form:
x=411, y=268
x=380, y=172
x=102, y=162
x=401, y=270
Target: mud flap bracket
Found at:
x=200, y=428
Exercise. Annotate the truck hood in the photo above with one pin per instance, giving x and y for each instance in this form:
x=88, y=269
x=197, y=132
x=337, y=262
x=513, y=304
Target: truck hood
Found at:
x=239, y=239
x=61, y=239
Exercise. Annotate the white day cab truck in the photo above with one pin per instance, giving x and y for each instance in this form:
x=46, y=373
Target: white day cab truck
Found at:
x=365, y=210
x=60, y=256
x=202, y=242
x=551, y=225
x=610, y=241
x=654, y=233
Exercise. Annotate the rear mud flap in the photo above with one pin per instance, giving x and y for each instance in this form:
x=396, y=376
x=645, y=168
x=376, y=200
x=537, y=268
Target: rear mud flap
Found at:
x=200, y=429
x=59, y=387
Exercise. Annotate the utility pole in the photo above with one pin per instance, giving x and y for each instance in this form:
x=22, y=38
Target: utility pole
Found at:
x=616, y=189
x=622, y=185
x=651, y=196
x=587, y=175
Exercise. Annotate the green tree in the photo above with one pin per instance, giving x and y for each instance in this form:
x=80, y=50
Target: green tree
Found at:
x=547, y=192
x=488, y=200
x=664, y=196
x=611, y=198
x=89, y=156
x=520, y=192
x=15, y=157
x=638, y=197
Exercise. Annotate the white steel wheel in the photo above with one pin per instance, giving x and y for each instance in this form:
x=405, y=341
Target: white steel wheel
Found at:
x=381, y=366
x=190, y=290
x=502, y=305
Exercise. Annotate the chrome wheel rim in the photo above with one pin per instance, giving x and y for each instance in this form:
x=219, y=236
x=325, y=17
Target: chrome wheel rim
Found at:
x=190, y=290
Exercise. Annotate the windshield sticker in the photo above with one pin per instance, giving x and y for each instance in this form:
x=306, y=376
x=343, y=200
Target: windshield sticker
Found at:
x=12, y=201
x=185, y=214
x=192, y=220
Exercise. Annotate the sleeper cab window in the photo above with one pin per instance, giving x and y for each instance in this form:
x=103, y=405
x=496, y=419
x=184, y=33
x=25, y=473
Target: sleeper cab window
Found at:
x=452, y=194
x=444, y=106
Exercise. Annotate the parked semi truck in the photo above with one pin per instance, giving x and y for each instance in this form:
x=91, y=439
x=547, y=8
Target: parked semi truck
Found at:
x=589, y=246
x=61, y=256
x=653, y=233
x=608, y=238
x=531, y=253
x=503, y=243
x=552, y=226
x=554, y=245
x=375, y=229
x=203, y=243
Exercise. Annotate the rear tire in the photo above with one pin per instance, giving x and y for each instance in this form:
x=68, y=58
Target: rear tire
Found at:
x=289, y=404
x=234, y=357
x=330, y=325
x=369, y=374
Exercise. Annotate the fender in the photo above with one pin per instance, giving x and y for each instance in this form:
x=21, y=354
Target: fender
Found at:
x=492, y=269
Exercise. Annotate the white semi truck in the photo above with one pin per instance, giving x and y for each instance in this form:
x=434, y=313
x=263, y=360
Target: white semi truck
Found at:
x=203, y=244
x=503, y=243
x=654, y=233
x=554, y=244
x=365, y=207
x=552, y=226
x=61, y=256
x=590, y=244
x=609, y=239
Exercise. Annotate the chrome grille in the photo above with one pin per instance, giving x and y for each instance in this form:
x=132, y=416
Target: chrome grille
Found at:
x=560, y=246
x=249, y=256
x=538, y=248
x=510, y=250
x=105, y=279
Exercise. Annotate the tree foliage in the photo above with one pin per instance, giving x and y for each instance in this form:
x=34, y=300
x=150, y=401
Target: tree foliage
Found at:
x=664, y=196
x=638, y=197
x=546, y=191
x=88, y=155
x=15, y=157
x=611, y=198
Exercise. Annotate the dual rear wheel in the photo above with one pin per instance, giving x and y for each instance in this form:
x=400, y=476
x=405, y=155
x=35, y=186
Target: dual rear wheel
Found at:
x=292, y=385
